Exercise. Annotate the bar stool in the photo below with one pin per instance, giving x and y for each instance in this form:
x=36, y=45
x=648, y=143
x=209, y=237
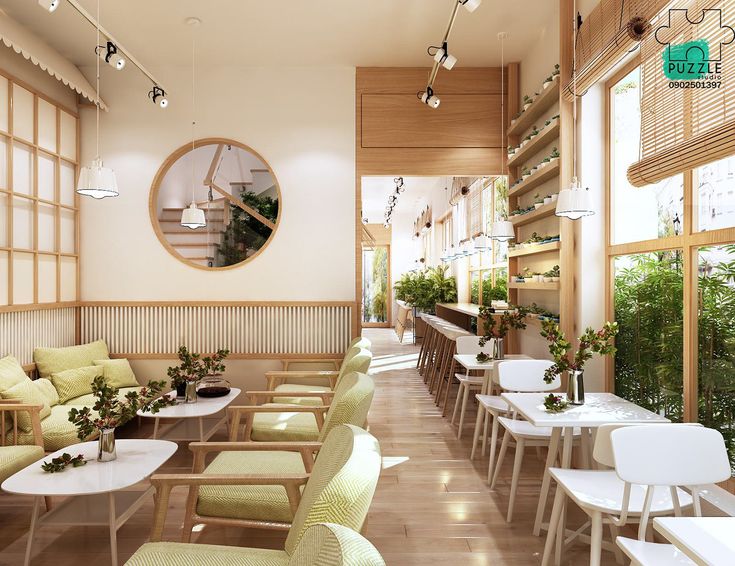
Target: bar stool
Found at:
x=428, y=345
x=448, y=364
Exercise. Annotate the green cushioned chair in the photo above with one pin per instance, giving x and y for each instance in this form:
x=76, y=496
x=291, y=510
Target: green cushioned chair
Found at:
x=357, y=360
x=57, y=432
x=336, y=487
x=274, y=422
x=13, y=456
x=324, y=544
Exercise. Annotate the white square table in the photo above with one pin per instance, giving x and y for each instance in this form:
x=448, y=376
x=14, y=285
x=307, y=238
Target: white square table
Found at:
x=708, y=541
x=599, y=409
x=185, y=413
x=94, y=490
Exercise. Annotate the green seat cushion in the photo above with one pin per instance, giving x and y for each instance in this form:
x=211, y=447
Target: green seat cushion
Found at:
x=182, y=554
x=25, y=392
x=57, y=431
x=329, y=544
x=47, y=389
x=11, y=373
x=254, y=502
x=89, y=399
x=296, y=388
x=284, y=426
x=15, y=458
x=118, y=373
x=54, y=360
x=72, y=383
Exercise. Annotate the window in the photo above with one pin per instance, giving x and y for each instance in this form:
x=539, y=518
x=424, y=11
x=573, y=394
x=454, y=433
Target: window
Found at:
x=715, y=195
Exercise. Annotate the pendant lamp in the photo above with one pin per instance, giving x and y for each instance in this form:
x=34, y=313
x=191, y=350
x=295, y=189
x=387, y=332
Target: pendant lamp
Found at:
x=502, y=230
x=482, y=242
x=193, y=217
x=96, y=180
x=574, y=202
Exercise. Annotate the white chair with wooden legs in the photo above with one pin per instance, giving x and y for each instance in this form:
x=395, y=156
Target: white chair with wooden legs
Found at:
x=521, y=376
x=467, y=383
x=448, y=364
x=489, y=407
x=651, y=465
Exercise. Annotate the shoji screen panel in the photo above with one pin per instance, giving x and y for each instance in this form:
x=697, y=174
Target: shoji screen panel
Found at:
x=39, y=259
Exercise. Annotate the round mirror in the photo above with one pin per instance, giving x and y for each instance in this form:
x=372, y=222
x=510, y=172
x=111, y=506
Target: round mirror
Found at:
x=215, y=205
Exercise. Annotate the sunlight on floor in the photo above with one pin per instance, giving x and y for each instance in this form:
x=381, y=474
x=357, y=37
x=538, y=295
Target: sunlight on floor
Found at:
x=392, y=363
x=392, y=461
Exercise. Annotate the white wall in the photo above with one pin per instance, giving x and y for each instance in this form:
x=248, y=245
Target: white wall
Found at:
x=300, y=120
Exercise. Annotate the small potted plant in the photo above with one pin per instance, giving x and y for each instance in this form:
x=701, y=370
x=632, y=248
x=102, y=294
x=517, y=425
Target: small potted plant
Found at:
x=525, y=172
x=554, y=197
x=511, y=150
x=554, y=155
x=548, y=81
x=519, y=278
x=193, y=368
x=591, y=342
x=110, y=412
x=527, y=101
x=556, y=71
x=548, y=200
x=555, y=274
x=538, y=201
x=534, y=132
x=497, y=328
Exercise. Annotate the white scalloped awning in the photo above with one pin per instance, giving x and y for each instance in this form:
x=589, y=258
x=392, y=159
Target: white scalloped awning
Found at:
x=22, y=41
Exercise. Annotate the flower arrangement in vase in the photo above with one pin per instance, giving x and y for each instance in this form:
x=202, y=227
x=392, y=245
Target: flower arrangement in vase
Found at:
x=192, y=369
x=591, y=342
x=112, y=412
x=497, y=328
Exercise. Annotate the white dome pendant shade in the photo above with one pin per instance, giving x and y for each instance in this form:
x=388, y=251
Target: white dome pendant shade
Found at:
x=502, y=230
x=574, y=202
x=482, y=242
x=193, y=217
x=97, y=181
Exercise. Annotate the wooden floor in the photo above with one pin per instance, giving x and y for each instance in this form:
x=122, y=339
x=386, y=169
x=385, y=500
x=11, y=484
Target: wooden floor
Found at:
x=432, y=505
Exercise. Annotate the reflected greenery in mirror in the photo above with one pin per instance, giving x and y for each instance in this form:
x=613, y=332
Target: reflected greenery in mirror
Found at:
x=215, y=205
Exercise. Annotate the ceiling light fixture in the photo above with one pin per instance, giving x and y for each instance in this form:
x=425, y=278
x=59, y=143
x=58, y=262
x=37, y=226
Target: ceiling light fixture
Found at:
x=158, y=95
x=441, y=55
x=49, y=5
x=108, y=53
x=574, y=202
x=96, y=180
x=193, y=217
x=502, y=229
x=393, y=200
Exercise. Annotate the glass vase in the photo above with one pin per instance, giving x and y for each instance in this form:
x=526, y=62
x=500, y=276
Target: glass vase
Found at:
x=575, y=388
x=190, y=395
x=213, y=386
x=106, y=447
x=499, y=349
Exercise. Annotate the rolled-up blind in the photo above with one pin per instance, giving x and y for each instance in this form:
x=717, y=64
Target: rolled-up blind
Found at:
x=684, y=128
x=460, y=188
x=607, y=35
x=474, y=209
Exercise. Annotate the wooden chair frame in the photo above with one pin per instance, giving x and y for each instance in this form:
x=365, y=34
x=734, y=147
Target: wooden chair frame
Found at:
x=236, y=413
x=275, y=378
x=15, y=406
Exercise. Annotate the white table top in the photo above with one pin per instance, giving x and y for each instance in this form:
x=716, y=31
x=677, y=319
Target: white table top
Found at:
x=709, y=541
x=599, y=409
x=136, y=460
x=469, y=361
x=203, y=407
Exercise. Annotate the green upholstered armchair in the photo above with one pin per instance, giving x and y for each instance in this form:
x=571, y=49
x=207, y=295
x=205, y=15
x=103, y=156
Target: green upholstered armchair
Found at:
x=324, y=544
x=275, y=422
x=14, y=457
x=277, y=485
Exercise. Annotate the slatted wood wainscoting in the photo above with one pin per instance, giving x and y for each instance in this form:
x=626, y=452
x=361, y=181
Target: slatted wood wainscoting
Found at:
x=23, y=330
x=249, y=330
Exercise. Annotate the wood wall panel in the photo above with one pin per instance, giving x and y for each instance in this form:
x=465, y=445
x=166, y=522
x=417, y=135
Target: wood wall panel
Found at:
x=462, y=120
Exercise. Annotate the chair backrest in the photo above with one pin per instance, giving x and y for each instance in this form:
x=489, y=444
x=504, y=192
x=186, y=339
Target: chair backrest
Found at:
x=360, y=342
x=670, y=455
x=341, y=485
x=526, y=376
x=351, y=403
x=327, y=544
x=471, y=345
x=603, y=451
x=359, y=362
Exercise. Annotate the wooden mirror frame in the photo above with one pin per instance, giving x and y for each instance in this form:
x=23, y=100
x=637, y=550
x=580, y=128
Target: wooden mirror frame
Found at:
x=161, y=174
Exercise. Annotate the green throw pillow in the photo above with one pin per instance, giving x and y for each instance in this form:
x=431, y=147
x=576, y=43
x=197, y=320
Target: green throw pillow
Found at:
x=117, y=373
x=47, y=389
x=25, y=392
x=55, y=360
x=11, y=373
x=73, y=383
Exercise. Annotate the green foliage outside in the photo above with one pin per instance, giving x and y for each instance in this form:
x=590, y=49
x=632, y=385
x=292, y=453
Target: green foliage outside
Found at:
x=424, y=289
x=378, y=307
x=244, y=234
x=490, y=292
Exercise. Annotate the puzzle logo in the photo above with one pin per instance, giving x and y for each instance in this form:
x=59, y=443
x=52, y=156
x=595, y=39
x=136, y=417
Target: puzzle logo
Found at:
x=698, y=61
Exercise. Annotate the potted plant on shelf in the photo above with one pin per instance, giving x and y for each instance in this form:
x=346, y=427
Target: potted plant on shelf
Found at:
x=192, y=369
x=556, y=71
x=525, y=172
x=538, y=201
x=110, y=412
x=548, y=81
x=519, y=278
x=511, y=150
x=554, y=155
x=591, y=342
x=555, y=274
x=547, y=199
x=527, y=101
x=497, y=327
x=534, y=132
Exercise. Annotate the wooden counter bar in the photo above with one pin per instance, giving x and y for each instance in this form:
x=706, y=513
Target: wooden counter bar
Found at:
x=462, y=314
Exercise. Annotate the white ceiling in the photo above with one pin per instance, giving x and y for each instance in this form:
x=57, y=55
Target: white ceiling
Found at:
x=419, y=192
x=292, y=32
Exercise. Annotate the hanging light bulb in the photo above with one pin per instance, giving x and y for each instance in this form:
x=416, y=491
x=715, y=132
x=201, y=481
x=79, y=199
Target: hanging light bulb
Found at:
x=96, y=180
x=193, y=217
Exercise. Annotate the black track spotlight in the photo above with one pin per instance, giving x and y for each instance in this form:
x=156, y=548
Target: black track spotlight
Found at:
x=108, y=53
x=49, y=5
x=442, y=56
x=429, y=98
x=158, y=95
x=470, y=5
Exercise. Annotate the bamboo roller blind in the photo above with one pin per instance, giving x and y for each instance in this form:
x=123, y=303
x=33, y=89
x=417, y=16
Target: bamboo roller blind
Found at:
x=474, y=209
x=684, y=128
x=605, y=39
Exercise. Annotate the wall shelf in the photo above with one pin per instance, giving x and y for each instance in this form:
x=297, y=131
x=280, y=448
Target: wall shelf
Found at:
x=550, y=132
x=532, y=285
x=536, y=179
x=543, y=212
x=536, y=249
x=543, y=102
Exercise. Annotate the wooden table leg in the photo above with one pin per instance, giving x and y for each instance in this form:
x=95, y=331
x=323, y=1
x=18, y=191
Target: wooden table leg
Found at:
x=32, y=531
x=566, y=463
x=550, y=457
x=155, y=428
x=201, y=430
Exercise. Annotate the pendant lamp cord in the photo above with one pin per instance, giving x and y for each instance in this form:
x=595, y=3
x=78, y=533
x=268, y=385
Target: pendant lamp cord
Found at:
x=97, y=126
x=503, y=96
x=193, y=111
x=574, y=89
